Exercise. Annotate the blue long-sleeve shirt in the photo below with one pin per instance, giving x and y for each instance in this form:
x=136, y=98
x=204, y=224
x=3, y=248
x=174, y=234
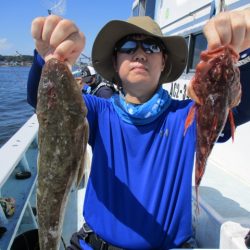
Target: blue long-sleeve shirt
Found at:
x=139, y=190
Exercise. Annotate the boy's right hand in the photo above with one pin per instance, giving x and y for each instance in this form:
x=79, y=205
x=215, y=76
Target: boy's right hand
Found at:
x=57, y=38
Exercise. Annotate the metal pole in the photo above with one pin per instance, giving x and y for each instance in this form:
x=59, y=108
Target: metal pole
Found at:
x=222, y=7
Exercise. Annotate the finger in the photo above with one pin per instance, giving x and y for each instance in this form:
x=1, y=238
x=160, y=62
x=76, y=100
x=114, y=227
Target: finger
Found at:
x=238, y=30
x=42, y=48
x=191, y=93
x=71, y=48
x=218, y=30
x=246, y=42
x=37, y=28
x=247, y=20
x=49, y=26
x=63, y=30
x=213, y=38
x=223, y=27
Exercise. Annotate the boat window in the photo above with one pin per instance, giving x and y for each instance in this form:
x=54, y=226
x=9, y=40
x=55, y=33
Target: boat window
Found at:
x=199, y=44
x=187, y=40
x=150, y=8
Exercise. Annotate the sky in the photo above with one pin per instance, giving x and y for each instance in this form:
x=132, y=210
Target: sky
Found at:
x=90, y=16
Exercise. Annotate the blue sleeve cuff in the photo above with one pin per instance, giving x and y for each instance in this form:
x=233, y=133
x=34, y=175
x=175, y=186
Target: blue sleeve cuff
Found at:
x=244, y=60
x=34, y=78
x=38, y=59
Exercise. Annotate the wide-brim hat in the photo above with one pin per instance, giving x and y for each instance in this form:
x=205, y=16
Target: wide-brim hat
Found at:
x=113, y=31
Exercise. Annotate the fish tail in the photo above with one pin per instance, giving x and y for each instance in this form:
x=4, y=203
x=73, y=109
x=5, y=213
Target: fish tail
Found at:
x=198, y=175
x=190, y=118
x=231, y=120
x=197, y=206
x=214, y=124
x=199, y=171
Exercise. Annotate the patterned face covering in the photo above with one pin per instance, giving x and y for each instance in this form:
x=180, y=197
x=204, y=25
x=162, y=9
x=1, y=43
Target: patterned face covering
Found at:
x=140, y=114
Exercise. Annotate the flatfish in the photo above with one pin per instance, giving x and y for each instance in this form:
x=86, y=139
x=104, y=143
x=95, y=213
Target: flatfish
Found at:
x=216, y=85
x=62, y=139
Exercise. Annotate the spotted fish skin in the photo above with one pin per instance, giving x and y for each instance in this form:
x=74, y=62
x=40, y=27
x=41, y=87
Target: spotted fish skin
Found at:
x=62, y=140
x=217, y=85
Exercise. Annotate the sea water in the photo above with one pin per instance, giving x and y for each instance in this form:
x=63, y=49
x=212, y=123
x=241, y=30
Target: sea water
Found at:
x=14, y=109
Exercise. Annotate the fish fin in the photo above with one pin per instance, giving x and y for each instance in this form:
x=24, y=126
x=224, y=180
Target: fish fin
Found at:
x=191, y=93
x=231, y=120
x=212, y=133
x=197, y=206
x=199, y=172
x=190, y=118
x=84, y=164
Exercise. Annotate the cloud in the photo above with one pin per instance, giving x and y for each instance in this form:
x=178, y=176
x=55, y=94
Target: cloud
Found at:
x=4, y=44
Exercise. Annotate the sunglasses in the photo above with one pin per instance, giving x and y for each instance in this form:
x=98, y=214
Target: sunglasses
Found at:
x=129, y=45
x=87, y=79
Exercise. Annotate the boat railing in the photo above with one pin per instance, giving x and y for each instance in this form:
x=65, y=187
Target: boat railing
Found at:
x=18, y=158
x=17, y=180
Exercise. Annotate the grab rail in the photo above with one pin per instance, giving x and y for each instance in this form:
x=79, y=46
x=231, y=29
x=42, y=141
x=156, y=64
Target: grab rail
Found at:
x=17, y=155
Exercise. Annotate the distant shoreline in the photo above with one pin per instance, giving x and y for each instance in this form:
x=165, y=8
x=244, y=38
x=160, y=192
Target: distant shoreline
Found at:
x=18, y=60
x=15, y=65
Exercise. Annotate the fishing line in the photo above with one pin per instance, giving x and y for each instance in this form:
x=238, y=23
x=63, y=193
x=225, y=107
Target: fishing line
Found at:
x=56, y=7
